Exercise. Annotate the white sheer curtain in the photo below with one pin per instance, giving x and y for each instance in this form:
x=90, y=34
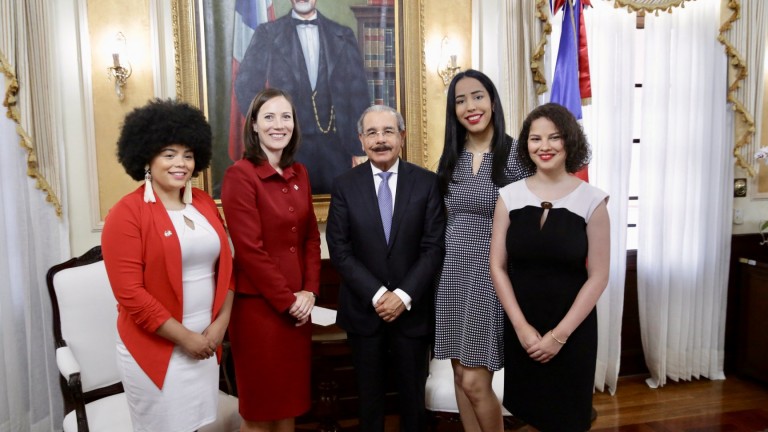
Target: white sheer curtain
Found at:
x=608, y=125
x=32, y=236
x=607, y=122
x=33, y=239
x=488, y=52
x=687, y=170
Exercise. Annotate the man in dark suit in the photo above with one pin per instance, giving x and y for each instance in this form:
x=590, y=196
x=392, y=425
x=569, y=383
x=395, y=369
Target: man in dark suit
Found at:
x=317, y=61
x=387, y=257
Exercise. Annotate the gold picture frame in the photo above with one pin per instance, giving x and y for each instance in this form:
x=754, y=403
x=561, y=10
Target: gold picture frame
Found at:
x=410, y=85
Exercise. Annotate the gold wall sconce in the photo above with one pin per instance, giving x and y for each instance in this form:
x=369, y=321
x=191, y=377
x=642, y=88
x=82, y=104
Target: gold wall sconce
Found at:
x=119, y=72
x=448, y=59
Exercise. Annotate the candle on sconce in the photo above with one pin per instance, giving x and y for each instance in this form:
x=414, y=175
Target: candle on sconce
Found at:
x=448, y=65
x=119, y=73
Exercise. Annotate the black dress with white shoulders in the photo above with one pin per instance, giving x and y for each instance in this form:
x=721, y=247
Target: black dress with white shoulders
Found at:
x=547, y=268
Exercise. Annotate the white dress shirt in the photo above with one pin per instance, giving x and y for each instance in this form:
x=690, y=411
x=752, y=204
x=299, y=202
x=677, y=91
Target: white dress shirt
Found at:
x=392, y=182
x=309, y=37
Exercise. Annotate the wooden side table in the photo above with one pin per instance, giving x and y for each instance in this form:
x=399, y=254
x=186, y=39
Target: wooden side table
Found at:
x=329, y=344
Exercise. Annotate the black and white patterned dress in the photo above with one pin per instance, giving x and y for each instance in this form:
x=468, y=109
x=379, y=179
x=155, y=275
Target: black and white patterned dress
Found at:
x=469, y=319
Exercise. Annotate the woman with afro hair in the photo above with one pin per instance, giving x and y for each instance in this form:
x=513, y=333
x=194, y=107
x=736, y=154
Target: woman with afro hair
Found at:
x=170, y=266
x=550, y=255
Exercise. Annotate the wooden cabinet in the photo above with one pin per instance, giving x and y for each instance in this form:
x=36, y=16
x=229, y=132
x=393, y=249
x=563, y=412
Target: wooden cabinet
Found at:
x=752, y=333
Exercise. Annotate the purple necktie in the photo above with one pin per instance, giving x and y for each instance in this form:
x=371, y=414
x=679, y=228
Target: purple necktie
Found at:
x=385, y=203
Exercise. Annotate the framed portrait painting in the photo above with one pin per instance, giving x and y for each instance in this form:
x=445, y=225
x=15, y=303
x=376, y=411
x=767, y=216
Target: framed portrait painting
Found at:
x=350, y=57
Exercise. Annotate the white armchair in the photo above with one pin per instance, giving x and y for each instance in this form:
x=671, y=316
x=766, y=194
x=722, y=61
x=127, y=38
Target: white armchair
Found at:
x=441, y=395
x=84, y=321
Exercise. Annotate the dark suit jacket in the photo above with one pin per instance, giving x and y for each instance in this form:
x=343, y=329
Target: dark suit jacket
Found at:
x=365, y=261
x=274, y=59
x=142, y=255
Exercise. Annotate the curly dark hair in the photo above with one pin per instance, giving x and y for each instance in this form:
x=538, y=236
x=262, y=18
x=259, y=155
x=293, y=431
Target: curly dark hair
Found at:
x=149, y=129
x=456, y=134
x=253, y=150
x=577, y=152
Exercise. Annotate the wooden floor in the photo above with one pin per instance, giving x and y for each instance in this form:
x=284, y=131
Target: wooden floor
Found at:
x=733, y=405
x=702, y=405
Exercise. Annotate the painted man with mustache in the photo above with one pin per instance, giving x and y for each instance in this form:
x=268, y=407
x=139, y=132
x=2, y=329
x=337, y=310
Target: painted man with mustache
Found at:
x=318, y=62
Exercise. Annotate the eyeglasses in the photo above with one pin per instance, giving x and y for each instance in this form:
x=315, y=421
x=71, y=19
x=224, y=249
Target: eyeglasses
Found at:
x=386, y=133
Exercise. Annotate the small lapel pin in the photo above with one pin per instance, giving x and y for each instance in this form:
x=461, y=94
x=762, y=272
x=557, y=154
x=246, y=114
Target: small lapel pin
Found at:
x=296, y=187
x=168, y=233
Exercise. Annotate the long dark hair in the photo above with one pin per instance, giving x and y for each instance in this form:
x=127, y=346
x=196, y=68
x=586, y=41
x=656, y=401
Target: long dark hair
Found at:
x=253, y=150
x=456, y=134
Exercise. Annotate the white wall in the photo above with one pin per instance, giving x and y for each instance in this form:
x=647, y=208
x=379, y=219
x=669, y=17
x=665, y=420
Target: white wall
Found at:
x=754, y=211
x=81, y=176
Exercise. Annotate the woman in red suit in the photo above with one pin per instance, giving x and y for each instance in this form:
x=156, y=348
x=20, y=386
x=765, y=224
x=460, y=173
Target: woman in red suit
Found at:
x=170, y=267
x=267, y=201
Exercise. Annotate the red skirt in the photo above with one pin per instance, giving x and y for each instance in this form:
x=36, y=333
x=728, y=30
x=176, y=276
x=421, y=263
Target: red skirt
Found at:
x=272, y=360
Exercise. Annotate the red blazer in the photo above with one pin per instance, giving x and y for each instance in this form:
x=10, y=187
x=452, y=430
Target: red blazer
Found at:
x=143, y=260
x=274, y=231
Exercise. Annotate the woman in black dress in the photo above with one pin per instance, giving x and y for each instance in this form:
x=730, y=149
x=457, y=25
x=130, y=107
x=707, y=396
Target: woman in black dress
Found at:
x=550, y=256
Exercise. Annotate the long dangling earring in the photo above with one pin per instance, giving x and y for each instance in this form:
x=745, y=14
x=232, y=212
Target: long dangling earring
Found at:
x=149, y=194
x=187, y=198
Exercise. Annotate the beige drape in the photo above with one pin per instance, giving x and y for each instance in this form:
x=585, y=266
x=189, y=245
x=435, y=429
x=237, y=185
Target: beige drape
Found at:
x=508, y=44
x=25, y=60
x=524, y=42
x=743, y=33
x=650, y=5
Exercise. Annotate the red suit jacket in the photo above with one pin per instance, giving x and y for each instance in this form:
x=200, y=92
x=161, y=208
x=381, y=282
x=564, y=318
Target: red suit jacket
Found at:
x=143, y=260
x=274, y=231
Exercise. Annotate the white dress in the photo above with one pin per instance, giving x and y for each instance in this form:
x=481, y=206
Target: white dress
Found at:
x=189, y=397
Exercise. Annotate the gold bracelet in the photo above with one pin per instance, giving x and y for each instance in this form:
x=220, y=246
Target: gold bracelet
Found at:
x=556, y=339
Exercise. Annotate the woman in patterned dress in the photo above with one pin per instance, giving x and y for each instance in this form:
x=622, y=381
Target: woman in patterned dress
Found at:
x=478, y=158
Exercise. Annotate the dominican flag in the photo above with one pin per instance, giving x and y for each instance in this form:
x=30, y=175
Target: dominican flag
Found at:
x=248, y=15
x=571, y=86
